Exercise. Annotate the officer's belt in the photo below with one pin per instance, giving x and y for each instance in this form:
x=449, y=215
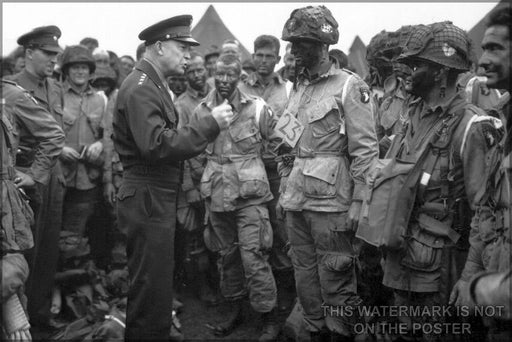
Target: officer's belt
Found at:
x=232, y=158
x=8, y=174
x=301, y=153
x=169, y=175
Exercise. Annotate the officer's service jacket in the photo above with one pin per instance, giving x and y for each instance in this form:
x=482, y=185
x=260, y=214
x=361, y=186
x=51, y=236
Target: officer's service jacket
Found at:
x=35, y=128
x=235, y=176
x=337, y=146
x=145, y=124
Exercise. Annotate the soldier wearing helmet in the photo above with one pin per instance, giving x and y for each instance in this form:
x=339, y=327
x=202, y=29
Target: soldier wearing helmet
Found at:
x=332, y=137
x=83, y=154
x=392, y=106
x=447, y=139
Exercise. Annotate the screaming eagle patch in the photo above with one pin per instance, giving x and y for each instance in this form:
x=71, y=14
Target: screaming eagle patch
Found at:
x=365, y=94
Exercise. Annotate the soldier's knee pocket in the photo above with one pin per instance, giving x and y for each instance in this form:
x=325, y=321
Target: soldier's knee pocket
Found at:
x=338, y=263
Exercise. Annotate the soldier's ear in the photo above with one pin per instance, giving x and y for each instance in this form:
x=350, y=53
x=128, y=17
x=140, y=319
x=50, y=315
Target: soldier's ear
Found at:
x=29, y=53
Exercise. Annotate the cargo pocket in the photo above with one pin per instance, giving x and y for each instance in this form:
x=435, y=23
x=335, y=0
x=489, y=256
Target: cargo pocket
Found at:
x=125, y=192
x=206, y=183
x=252, y=178
x=266, y=234
x=325, y=118
x=423, y=251
x=320, y=176
x=245, y=135
x=337, y=262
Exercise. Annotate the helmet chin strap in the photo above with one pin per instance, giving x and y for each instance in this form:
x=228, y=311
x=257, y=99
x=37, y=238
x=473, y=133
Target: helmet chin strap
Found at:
x=443, y=81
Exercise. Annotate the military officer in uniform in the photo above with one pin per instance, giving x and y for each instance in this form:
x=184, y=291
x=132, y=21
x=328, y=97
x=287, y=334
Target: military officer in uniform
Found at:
x=23, y=120
x=41, y=47
x=151, y=148
x=324, y=190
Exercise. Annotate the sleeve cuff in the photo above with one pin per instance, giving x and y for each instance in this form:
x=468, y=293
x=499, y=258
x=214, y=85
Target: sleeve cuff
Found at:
x=359, y=193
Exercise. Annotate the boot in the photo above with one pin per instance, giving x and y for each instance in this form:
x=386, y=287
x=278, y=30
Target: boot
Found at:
x=271, y=326
x=234, y=319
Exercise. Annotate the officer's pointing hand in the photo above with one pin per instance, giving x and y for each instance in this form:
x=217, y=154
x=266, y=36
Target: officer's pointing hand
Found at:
x=223, y=114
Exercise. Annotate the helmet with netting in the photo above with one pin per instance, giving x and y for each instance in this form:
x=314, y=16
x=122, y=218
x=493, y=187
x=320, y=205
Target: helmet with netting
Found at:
x=314, y=23
x=442, y=43
x=77, y=54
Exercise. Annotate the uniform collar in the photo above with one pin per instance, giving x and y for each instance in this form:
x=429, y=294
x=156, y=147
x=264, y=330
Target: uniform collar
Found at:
x=32, y=79
x=326, y=69
x=157, y=71
x=237, y=99
x=69, y=88
x=195, y=94
x=451, y=105
x=254, y=79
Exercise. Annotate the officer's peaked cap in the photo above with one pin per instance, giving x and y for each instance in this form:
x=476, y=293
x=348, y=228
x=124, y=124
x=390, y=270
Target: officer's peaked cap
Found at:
x=175, y=28
x=44, y=38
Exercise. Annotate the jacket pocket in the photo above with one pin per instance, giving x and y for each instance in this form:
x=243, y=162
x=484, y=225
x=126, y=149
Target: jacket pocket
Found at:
x=206, y=182
x=320, y=175
x=326, y=118
x=252, y=178
x=423, y=251
x=161, y=203
x=125, y=192
x=245, y=135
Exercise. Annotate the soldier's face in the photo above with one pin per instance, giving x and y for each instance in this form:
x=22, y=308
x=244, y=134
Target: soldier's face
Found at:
x=127, y=65
x=175, y=56
x=265, y=60
x=495, y=59
x=226, y=79
x=231, y=49
x=178, y=84
x=307, y=54
x=422, y=78
x=210, y=63
x=78, y=74
x=42, y=62
x=196, y=74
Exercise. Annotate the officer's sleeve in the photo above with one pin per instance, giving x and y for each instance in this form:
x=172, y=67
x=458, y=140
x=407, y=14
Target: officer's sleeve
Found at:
x=493, y=289
x=360, y=131
x=45, y=130
x=154, y=140
x=108, y=144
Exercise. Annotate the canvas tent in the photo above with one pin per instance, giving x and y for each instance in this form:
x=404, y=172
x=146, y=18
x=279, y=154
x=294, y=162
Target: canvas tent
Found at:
x=210, y=30
x=357, y=57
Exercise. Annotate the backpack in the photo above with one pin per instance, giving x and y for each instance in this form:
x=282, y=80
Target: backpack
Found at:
x=394, y=184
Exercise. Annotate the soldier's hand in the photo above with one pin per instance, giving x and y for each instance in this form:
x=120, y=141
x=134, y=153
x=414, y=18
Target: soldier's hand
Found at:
x=223, y=114
x=193, y=198
x=94, y=151
x=22, y=180
x=69, y=154
x=458, y=294
x=353, y=215
x=109, y=193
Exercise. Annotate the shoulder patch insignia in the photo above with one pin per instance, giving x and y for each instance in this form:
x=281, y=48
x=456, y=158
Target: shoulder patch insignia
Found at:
x=142, y=79
x=365, y=94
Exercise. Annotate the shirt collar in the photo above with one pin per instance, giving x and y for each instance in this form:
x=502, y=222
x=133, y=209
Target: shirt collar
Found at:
x=326, y=69
x=452, y=104
x=69, y=88
x=237, y=99
x=254, y=79
x=33, y=79
x=195, y=94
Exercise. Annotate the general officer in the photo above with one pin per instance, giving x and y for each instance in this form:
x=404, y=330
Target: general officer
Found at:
x=150, y=148
x=41, y=46
x=323, y=193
